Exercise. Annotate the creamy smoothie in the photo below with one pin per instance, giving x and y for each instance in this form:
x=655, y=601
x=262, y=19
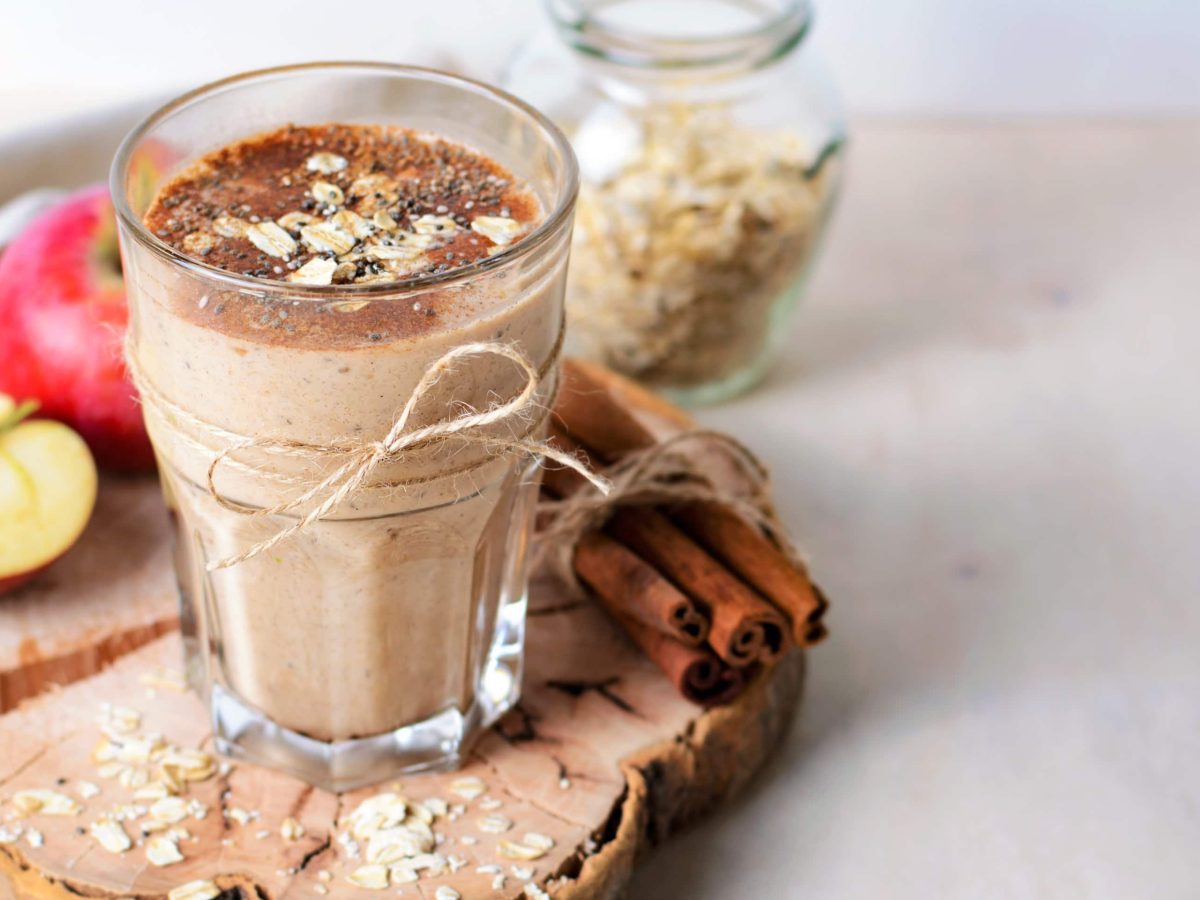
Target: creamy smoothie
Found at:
x=391, y=610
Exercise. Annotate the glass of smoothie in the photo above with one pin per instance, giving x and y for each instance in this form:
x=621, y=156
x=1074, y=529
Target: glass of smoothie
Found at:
x=301, y=246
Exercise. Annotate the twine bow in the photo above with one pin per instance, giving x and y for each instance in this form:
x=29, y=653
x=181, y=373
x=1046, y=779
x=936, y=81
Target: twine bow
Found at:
x=363, y=458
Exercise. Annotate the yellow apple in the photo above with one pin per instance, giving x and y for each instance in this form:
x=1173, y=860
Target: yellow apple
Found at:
x=47, y=492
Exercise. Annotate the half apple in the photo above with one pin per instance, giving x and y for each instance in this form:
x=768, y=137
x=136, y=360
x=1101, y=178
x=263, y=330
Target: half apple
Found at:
x=47, y=492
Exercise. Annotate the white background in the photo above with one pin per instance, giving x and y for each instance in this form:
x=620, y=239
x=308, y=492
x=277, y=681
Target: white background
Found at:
x=892, y=57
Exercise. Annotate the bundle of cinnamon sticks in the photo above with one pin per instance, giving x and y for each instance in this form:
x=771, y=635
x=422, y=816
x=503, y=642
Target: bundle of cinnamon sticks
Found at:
x=706, y=595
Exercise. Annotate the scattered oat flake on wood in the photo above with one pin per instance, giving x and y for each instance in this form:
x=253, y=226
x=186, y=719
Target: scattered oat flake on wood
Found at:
x=162, y=851
x=194, y=890
x=45, y=802
x=468, y=787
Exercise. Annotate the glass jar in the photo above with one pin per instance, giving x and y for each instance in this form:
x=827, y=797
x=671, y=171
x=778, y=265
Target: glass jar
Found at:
x=386, y=634
x=710, y=148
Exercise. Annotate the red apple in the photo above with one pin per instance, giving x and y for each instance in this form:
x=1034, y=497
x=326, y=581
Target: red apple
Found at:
x=62, y=320
x=47, y=492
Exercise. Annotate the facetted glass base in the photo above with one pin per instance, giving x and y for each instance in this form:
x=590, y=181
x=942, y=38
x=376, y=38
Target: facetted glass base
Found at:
x=438, y=743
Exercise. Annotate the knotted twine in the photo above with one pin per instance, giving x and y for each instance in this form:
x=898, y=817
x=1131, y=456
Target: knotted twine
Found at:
x=362, y=458
x=661, y=475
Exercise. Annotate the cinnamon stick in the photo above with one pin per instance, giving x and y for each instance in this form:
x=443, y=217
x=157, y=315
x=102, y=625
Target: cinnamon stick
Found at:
x=593, y=416
x=629, y=588
x=625, y=584
x=696, y=672
x=753, y=556
x=745, y=628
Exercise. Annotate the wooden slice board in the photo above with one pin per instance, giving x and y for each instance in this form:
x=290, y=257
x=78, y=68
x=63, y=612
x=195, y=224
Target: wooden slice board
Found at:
x=111, y=593
x=601, y=755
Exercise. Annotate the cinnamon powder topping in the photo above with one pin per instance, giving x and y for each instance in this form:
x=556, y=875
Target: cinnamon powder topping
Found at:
x=342, y=204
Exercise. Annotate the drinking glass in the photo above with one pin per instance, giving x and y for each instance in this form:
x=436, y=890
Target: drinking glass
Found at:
x=383, y=637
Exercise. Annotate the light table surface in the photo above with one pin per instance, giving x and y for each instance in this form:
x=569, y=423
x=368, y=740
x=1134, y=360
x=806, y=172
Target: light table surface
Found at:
x=986, y=432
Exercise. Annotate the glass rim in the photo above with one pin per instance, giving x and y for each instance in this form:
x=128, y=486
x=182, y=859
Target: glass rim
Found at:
x=777, y=32
x=550, y=226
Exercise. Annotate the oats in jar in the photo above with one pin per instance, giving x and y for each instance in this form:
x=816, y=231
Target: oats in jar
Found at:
x=686, y=246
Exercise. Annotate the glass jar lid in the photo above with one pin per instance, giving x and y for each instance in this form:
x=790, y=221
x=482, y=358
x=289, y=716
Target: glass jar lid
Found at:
x=682, y=34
